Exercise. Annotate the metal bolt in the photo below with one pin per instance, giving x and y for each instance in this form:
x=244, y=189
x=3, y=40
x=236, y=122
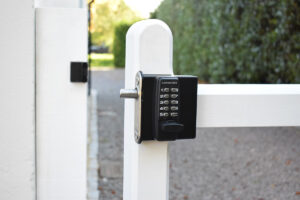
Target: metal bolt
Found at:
x=129, y=93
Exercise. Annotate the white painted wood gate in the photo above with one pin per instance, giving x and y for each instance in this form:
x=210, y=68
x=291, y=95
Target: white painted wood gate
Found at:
x=149, y=49
x=44, y=158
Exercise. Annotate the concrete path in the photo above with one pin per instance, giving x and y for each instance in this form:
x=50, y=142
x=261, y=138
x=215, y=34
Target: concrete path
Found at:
x=230, y=163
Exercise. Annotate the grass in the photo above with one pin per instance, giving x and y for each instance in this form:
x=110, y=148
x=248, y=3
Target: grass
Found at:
x=102, y=59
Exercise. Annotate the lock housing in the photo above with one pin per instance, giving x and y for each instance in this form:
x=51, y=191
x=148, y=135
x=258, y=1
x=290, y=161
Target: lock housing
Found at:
x=166, y=107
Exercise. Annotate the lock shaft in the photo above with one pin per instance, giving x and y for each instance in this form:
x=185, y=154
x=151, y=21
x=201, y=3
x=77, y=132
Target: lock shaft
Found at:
x=129, y=93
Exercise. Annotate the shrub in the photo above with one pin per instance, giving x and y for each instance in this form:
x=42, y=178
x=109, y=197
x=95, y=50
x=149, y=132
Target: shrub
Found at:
x=229, y=41
x=105, y=15
x=119, y=43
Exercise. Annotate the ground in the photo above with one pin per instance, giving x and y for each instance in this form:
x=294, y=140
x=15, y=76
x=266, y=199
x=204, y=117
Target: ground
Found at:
x=221, y=163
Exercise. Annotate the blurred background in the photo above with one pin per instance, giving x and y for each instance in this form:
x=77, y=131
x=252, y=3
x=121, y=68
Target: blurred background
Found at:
x=229, y=41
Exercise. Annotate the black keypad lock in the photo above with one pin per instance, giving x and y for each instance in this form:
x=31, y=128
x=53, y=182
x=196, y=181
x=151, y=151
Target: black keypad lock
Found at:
x=167, y=122
x=166, y=107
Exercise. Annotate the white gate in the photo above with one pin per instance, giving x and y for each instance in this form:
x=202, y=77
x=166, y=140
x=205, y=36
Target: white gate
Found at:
x=149, y=49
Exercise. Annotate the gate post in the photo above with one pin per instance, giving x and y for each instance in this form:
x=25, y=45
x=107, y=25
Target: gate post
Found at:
x=149, y=49
x=61, y=105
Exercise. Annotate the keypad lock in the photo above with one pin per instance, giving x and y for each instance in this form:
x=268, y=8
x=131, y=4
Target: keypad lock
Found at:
x=165, y=107
x=167, y=122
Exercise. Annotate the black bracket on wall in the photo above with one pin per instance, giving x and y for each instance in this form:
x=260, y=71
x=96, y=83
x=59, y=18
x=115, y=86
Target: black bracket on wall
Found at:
x=79, y=72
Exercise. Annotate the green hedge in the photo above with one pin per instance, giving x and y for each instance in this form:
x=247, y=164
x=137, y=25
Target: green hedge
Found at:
x=228, y=41
x=119, y=43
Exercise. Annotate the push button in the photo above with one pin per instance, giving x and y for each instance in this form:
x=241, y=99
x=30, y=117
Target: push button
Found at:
x=174, y=108
x=174, y=89
x=165, y=89
x=174, y=114
x=164, y=114
x=165, y=108
x=174, y=102
x=171, y=127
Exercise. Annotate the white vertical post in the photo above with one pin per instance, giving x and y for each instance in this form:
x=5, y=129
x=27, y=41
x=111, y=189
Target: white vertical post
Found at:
x=17, y=109
x=61, y=37
x=146, y=165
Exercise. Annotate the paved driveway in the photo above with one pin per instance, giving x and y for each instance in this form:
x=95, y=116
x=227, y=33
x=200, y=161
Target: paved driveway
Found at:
x=222, y=163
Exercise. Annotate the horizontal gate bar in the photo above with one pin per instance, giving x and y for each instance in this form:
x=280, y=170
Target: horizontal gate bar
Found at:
x=248, y=105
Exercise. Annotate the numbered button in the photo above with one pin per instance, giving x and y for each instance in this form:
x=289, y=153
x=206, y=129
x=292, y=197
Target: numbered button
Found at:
x=174, y=108
x=165, y=89
x=164, y=114
x=165, y=108
x=173, y=96
x=165, y=102
x=174, y=114
x=164, y=96
x=174, y=102
x=174, y=89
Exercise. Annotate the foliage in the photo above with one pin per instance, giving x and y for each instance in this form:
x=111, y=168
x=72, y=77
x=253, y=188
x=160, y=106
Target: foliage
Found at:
x=101, y=59
x=119, y=43
x=105, y=15
x=228, y=41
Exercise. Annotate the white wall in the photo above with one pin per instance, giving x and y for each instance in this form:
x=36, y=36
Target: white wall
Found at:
x=17, y=126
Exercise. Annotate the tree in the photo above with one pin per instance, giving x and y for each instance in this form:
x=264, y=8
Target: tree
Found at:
x=235, y=41
x=106, y=15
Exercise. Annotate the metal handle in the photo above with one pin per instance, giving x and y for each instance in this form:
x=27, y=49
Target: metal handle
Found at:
x=129, y=93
